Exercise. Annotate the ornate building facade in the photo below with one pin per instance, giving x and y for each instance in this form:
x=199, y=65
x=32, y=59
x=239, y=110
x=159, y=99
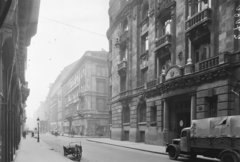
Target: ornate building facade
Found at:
x=171, y=62
x=18, y=24
x=84, y=93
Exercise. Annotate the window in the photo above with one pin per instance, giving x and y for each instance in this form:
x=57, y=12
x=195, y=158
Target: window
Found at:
x=101, y=86
x=200, y=5
x=142, y=112
x=144, y=77
x=123, y=83
x=167, y=27
x=125, y=25
x=124, y=52
x=153, y=114
x=202, y=53
x=212, y=106
x=110, y=91
x=145, y=43
x=126, y=115
x=101, y=104
x=145, y=11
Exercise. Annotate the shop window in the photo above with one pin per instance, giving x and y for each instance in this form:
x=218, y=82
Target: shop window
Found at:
x=123, y=83
x=142, y=112
x=126, y=115
x=212, y=106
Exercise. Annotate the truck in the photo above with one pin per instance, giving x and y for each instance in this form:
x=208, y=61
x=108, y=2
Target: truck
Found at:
x=216, y=137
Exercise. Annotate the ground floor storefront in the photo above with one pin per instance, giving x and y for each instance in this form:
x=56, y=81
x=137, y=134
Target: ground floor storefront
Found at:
x=89, y=126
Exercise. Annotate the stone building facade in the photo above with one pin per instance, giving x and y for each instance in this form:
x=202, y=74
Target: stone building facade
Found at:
x=171, y=62
x=18, y=24
x=84, y=92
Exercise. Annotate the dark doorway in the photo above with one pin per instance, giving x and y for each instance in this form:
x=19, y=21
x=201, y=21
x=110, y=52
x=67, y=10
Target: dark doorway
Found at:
x=126, y=135
x=183, y=121
x=142, y=136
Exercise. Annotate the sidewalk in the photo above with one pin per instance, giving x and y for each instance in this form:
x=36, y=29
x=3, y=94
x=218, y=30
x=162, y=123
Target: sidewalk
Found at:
x=31, y=150
x=131, y=145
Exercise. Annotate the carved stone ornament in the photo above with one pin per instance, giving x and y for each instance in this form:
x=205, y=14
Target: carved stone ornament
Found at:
x=151, y=8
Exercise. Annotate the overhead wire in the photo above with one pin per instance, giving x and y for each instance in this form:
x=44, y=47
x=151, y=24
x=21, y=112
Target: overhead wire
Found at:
x=74, y=26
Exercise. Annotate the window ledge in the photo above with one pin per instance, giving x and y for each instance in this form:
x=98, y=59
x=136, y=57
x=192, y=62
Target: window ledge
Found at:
x=142, y=123
x=126, y=124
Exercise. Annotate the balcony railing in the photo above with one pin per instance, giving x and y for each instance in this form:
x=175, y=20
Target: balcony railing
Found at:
x=212, y=62
x=198, y=18
x=122, y=67
x=163, y=41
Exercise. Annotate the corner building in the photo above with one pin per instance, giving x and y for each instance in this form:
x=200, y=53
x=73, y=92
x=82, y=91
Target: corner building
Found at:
x=171, y=62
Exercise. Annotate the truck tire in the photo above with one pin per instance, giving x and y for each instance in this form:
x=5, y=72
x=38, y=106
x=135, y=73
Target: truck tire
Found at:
x=173, y=152
x=229, y=157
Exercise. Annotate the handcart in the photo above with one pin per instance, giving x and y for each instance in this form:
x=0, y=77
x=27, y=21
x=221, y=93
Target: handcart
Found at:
x=74, y=149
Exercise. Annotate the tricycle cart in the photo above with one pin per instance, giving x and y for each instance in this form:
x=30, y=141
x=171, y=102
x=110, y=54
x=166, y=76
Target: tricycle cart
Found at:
x=74, y=148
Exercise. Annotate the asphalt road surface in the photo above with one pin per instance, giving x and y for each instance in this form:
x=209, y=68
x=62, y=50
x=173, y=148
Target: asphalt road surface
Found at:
x=96, y=152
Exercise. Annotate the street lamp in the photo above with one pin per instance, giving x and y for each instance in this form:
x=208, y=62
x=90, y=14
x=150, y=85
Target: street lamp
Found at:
x=38, y=120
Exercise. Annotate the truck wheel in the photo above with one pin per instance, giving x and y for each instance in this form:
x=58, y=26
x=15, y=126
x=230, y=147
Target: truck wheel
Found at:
x=173, y=153
x=229, y=157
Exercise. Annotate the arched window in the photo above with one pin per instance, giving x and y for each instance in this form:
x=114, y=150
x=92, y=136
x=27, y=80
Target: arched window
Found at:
x=126, y=115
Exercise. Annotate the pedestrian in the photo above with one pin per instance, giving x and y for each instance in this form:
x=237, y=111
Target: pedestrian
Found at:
x=24, y=134
x=32, y=134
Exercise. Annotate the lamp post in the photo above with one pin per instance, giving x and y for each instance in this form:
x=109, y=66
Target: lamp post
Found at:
x=38, y=129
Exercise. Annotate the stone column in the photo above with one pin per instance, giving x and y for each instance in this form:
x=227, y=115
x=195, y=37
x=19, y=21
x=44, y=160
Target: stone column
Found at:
x=193, y=106
x=166, y=121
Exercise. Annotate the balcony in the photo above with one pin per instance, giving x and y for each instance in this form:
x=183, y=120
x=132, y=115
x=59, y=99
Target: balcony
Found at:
x=122, y=67
x=144, y=61
x=212, y=62
x=163, y=44
x=198, y=24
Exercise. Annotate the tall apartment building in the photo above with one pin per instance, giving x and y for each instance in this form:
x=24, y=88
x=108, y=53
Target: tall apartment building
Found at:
x=84, y=91
x=171, y=61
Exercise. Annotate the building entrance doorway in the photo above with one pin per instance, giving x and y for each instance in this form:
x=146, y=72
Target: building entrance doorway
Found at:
x=183, y=121
x=181, y=115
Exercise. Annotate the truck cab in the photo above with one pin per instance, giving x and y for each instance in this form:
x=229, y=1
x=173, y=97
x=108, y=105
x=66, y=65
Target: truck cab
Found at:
x=181, y=145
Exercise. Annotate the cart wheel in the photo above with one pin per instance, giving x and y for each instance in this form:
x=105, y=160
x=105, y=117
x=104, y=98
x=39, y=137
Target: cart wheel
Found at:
x=229, y=157
x=173, y=153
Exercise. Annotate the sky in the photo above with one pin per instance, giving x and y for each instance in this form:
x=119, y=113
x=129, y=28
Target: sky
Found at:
x=66, y=29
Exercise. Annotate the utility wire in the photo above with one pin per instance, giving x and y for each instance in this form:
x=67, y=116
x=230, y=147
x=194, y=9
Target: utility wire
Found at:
x=74, y=26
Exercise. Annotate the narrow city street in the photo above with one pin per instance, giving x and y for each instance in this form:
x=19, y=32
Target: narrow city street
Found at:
x=95, y=152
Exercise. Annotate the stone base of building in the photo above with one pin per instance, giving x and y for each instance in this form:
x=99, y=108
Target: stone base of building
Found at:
x=116, y=134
